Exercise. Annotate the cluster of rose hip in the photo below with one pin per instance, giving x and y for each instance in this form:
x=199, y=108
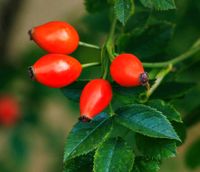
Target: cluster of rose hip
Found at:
x=57, y=69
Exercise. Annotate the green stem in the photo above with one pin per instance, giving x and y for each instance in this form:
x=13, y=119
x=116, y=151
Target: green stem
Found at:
x=112, y=30
x=109, y=43
x=111, y=110
x=107, y=50
x=193, y=50
x=90, y=64
x=84, y=44
x=115, y=54
x=159, y=78
x=105, y=72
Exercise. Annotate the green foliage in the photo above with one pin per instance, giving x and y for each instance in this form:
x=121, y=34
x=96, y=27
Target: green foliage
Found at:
x=123, y=10
x=156, y=148
x=146, y=120
x=85, y=137
x=180, y=130
x=128, y=91
x=138, y=21
x=113, y=155
x=74, y=90
x=156, y=37
x=192, y=155
x=97, y=24
x=96, y=6
x=126, y=95
x=168, y=110
x=177, y=90
x=159, y=5
x=83, y=163
x=139, y=133
x=145, y=165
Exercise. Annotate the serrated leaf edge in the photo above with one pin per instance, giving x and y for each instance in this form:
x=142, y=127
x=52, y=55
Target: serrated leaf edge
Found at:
x=158, y=8
x=124, y=19
x=96, y=152
x=170, y=106
x=174, y=138
x=85, y=152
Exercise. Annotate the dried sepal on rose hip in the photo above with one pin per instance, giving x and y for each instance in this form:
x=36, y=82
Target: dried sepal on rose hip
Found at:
x=127, y=70
x=95, y=97
x=56, y=37
x=55, y=70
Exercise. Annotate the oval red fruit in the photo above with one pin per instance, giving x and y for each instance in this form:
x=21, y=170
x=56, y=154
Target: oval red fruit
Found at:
x=9, y=110
x=56, y=70
x=127, y=70
x=56, y=37
x=95, y=97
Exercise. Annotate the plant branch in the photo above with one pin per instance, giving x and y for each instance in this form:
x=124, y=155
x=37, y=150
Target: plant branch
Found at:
x=84, y=44
x=112, y=29
x=193, y=50
x=159, y=78
x=110, y=41
x=111, y=110
x=90, y=64
x=105, y=71
x=107, y=50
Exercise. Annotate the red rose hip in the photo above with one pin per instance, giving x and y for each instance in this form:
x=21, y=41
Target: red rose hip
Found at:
x=95, y=97
x=9, y=110
x=56, y=37
x=56, y=70
x=127, y=70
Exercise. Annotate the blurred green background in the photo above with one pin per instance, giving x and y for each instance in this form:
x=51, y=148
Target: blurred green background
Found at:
x=36, y=141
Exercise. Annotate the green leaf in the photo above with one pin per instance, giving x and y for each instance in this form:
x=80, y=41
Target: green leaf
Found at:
x=172, y=90
x=121, y=131
x=113, y=155
x=74, y=90
x=168, y=110
x=118, y=130
x=192, y=155
x=123, y=10
x=128, y=91
x=83, y=163
x=97, y=24
x=180, y=130
x=85, y=137
x=159, y=4
x=146, y=120
x=95, y=6
x=156, y=148
x=147, y=42
x=119, y=100
x=137, y=21
x=145, y=165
